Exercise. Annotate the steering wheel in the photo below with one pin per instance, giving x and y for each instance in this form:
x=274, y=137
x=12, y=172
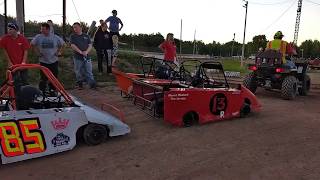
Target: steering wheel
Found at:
x=185, y=75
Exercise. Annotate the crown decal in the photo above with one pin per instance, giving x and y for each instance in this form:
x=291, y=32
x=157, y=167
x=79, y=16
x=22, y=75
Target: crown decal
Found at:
x=60, y=123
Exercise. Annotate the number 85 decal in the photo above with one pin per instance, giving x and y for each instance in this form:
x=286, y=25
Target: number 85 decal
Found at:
x=21, y=137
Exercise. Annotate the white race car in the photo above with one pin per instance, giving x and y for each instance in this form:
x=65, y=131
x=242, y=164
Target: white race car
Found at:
x=36, y=123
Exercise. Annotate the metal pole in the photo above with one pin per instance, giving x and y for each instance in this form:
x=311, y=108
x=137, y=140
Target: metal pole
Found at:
x=5, y=17
x=244, y=33
x=234, y=35
x=180, y=38
x=64, y=20
x=24, y=15
x=194, y=41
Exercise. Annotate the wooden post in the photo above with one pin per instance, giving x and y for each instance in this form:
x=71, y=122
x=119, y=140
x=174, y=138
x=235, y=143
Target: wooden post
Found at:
x=20, y=15
x=64, y=20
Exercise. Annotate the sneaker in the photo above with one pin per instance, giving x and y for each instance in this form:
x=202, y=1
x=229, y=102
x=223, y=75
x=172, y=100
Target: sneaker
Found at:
x=93, y=86
x=80, y=85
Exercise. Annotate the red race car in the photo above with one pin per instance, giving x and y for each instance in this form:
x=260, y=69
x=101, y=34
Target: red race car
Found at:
x=315, y=63
x=151, y=68
x=201, y=95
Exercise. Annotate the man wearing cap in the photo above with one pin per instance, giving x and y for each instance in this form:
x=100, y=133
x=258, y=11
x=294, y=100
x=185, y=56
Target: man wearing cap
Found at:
x=15, y=48
x=283, y=47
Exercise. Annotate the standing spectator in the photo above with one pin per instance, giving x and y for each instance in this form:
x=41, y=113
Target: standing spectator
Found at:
x=114, y=28
x=169, y=49
x=81, y=45
x=16, y=50
x=103, y=45
x=114, y=22
x=48, y=47
x=101, y=21
x=51, y=26
x=115, y=46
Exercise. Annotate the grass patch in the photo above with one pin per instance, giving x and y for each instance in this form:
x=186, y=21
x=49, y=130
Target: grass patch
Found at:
x=234, y=65
x=127, y=62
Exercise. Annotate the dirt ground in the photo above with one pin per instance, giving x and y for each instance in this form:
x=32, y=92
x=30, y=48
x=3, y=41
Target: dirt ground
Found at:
x=280, y=142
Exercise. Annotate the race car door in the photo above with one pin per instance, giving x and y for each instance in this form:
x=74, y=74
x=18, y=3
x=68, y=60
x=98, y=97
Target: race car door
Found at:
x=28, y=134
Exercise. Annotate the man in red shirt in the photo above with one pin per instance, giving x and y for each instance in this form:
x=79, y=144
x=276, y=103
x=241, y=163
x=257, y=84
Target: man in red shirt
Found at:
x=15, y=49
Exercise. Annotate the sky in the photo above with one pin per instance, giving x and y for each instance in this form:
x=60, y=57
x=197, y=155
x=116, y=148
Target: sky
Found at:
x=212, y=20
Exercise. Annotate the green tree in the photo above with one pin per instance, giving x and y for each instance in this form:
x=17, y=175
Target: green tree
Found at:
x=259, y=41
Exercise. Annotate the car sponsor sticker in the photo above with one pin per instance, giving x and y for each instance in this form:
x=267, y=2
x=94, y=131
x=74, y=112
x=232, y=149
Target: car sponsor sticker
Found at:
x=60, y=139
x=60, y=124
x=178, y=97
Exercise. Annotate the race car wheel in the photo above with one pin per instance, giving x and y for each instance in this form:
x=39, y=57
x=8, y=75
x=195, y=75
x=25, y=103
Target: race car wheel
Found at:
x=250, y=82
x=94, y=134
x=303, y=91
x=190, y=118
x=245, y=110
x=289, y=88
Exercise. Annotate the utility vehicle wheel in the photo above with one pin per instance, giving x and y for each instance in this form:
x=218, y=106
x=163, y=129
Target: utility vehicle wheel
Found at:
x=303, y=91
x=245, y=110
x=94, y=134
x=250, y=82
x=289, y=87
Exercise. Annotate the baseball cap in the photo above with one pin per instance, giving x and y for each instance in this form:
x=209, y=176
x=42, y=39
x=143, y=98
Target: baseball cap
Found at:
x=13, y=26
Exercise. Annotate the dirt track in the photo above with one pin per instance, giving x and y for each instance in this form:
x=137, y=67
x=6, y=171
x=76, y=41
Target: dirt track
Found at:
x=281, y=142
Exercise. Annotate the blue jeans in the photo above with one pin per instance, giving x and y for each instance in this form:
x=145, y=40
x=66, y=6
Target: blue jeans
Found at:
x=290, y=64
x=83, y=71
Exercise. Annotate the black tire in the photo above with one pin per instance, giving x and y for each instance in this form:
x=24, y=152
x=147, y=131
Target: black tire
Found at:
x=245, y=110
x=289, y=88
x=190, y=119
x=250, y=82
x=94, y=134
x=306, y=83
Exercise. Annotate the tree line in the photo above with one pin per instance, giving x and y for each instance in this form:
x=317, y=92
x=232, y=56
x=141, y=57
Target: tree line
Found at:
x=150, y=42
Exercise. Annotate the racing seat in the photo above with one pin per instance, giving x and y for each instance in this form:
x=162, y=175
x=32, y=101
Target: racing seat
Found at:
x=26, y=97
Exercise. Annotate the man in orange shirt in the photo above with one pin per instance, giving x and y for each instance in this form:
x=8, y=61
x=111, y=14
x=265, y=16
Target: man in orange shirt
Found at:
x=283, y=47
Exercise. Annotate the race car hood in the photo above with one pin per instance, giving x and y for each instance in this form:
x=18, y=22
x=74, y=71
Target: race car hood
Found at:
x=116, y=126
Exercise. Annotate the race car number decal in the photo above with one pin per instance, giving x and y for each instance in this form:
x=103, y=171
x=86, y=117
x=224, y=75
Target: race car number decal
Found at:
x=218, y=104
x=20, y=137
